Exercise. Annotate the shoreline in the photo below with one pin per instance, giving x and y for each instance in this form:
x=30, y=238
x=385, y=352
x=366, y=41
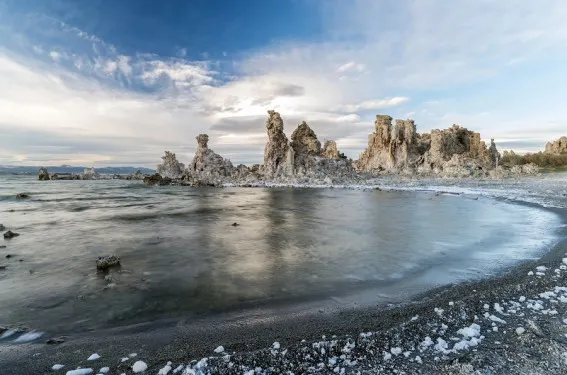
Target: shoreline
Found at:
x=181, y=342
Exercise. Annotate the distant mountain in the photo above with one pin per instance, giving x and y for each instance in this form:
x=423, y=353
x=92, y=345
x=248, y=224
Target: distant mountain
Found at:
x=15, y=169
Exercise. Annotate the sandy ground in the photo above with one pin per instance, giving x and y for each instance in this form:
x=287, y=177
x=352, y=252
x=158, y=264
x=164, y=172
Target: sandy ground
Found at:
x=450, y=330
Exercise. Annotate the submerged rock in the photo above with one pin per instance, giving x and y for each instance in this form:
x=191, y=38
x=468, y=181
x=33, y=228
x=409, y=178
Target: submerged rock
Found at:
x=105, y=262
x=170, y=168
x=22, y=195
x=2, y=227
x=43, y=174
x=557, y=147
x=9, y=234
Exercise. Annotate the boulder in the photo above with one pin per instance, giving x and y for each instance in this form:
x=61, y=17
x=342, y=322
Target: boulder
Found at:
x=22, y=195
x=156, y=179
x=170, y=168
x=278, y=153
x=557, y=147
x=208, y=167
x=9, y=234
x=105, y=262
x=43, y=174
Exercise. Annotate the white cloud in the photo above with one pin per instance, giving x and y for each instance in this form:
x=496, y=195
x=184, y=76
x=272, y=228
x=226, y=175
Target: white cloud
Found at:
x=351, y=66
x=374, y=104
x=55, y=56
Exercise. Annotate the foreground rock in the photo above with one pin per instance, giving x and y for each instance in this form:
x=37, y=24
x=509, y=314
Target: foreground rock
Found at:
x=557, y=147
x=105, y=262
x=22, y=196
x=9, y=234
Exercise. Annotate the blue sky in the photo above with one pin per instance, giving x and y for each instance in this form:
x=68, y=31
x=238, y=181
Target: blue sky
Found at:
x=102, y=82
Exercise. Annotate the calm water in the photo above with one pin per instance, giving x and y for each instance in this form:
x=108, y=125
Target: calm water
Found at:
x=182, y=258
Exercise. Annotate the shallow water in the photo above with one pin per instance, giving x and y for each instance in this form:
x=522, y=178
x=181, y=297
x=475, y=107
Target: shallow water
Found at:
x=182, y=258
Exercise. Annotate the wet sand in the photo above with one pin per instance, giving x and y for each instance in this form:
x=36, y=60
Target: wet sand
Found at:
x=539, y=350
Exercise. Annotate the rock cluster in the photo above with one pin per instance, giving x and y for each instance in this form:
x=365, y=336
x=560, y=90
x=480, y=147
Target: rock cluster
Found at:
x=303, y=158
x=105, y=262
x=170, y=167
x=557, y=147
x=398, y=148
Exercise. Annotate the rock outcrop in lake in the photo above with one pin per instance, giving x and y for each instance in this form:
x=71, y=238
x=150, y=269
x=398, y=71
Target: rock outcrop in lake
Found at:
x=398, y=148
x=43, y=174
x=557, y=147
x=302, y=159
x=170, y=168
x=278, y=154
x=209, y=168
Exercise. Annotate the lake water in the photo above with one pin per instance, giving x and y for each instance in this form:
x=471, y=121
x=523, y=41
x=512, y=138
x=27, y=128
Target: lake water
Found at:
x=182, y=258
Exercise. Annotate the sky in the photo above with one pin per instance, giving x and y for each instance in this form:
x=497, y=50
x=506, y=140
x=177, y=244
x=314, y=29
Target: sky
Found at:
x=105, y=82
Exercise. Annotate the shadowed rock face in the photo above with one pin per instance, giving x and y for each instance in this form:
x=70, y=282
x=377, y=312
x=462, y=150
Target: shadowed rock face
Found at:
x=557, y=147
x=278, y=154
x=170, y=168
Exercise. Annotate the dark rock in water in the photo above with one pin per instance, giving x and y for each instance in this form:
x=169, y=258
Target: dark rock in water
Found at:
x=2, y=246
x=55, y=340
x=22, y=195
x=43, y=174
x=156, y=179
x=8, y=256
x=2, y=268
x=103, y=263
x=9, y=234
x=235, y=224
x=2, y=227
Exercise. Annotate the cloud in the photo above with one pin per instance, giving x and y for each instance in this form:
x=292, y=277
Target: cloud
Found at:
x=351, y=66
x=374, y=104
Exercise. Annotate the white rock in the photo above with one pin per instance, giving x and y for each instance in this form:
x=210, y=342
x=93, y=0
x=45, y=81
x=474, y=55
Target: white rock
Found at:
x=104, y=370
x=93, y=357
x=531, y=273
x=139, y=366
x=57, y=367
x=520, y=330
x=219, y=349
x=522, y=299
x=396, y=351
x=80, y=371
x=276, y=345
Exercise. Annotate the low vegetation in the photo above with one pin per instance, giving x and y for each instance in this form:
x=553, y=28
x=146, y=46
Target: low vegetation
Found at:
x=541, y=159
